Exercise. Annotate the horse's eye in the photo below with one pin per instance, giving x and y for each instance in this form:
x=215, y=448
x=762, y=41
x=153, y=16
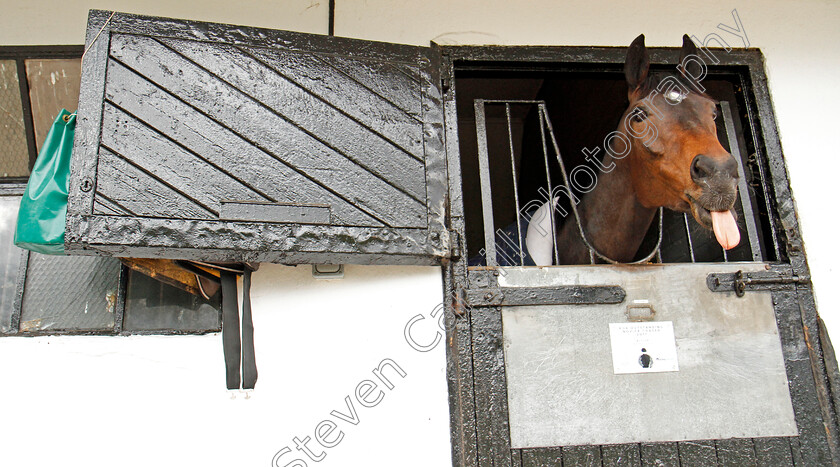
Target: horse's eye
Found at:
x=639, y=114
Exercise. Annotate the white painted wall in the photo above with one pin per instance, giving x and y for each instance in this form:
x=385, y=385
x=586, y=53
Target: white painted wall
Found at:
x=160, y=400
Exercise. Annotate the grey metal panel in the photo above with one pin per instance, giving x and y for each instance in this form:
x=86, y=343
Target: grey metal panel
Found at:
x=200, y=113
x=560, y=383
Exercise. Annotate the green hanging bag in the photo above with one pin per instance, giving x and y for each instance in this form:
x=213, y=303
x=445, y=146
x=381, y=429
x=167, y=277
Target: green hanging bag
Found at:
x=43, y=209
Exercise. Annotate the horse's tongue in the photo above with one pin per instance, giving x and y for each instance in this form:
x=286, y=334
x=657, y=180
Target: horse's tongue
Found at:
x=726, y=230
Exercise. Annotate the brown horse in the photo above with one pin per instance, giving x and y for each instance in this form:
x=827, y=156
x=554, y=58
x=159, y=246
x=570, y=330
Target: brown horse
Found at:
x=674, y=160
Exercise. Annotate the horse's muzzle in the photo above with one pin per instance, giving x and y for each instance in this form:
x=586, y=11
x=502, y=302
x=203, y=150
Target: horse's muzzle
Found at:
x=717, y=180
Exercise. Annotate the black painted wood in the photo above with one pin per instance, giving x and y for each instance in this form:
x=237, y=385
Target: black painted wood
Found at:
x=698, y=453
x=492, y=428
x=515, y=458
x=772, y=452
x=459, y=370
x=735, y=452
x=660, y=455
x=796, y=452
x=178, y=117
x=581, y=456
x=544, y=457
x=812, y=439
x=621, y=455
x=812, y=325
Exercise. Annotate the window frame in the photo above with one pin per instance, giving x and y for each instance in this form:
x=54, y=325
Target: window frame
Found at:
x=15, y=186
x=21, y=53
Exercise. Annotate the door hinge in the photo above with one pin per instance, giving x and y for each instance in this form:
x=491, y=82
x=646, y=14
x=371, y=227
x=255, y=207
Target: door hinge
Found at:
x=454, y=244
x=741, y=282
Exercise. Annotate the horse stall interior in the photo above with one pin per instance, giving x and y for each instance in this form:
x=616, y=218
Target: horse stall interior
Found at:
x=551, y=379
x=584, y=105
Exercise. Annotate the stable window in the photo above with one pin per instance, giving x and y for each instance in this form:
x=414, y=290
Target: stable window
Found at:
x=513, y=121
x=41, y=294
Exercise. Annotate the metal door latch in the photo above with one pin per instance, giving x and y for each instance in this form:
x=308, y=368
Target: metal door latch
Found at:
x=740, y=282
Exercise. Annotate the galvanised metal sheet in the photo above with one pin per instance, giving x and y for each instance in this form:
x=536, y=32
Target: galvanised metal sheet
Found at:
x=179, y=120
x=562, y=390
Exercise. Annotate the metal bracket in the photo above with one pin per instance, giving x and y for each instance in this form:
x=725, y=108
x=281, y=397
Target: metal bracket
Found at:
x=455, y=244
x=328, y=271
x=741, y=282
x=563, y=295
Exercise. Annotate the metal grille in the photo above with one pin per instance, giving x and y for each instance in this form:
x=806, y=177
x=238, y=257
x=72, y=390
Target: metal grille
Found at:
x=14, y=152
x=10, y=257
x=70, y=293
x=676, y=238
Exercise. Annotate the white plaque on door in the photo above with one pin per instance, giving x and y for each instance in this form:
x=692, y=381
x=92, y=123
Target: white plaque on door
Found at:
x=647, y=347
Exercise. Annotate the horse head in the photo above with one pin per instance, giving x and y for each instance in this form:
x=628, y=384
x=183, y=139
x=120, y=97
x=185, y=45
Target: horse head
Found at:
x=675, y=158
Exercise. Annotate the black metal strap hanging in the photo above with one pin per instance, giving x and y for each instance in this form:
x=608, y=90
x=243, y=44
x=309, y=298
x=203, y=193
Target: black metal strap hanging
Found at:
x=238, y=353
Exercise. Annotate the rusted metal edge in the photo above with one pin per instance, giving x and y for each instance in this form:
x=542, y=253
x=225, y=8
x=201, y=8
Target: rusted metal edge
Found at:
x=563, y=295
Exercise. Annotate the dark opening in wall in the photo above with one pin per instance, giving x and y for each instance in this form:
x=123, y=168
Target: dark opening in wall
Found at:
x=584, y=105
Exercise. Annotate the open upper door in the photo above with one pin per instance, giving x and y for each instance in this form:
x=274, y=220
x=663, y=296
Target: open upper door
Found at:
x=215, y=142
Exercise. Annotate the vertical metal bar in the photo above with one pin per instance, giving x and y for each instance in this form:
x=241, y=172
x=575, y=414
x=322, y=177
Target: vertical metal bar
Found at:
x=486, y=192
x=543, y=117
x=743, y=193
x=331, y=19
x=26, y=107
x=688, y=236
x=17, y=307
x=122, y=297
x=515, y=187
x=765, y=180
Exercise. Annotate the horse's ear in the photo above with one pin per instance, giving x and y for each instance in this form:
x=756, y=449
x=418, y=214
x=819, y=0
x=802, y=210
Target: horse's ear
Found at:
x=637, y=64
x=692, y=67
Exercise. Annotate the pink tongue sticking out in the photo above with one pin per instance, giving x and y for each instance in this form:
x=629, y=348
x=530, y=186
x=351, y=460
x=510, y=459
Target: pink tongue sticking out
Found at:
x=726, y=230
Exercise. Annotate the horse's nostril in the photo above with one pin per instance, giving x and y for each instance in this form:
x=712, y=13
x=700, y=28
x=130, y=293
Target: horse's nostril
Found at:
x=730, y=167
x=702, y=167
